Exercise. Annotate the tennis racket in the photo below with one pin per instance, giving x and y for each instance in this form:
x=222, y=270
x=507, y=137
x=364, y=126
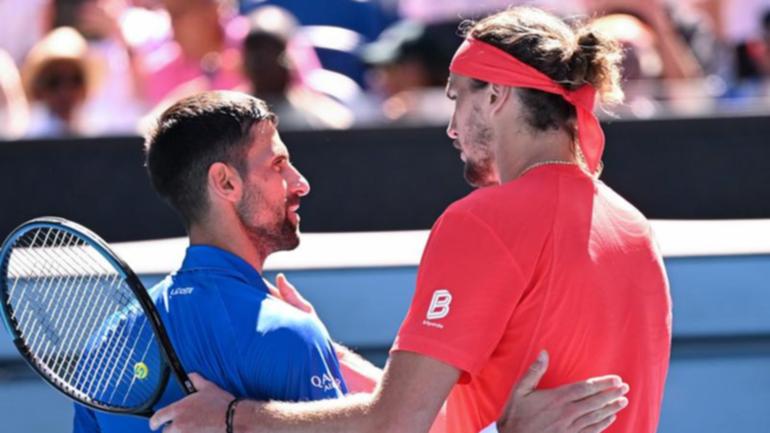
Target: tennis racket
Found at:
x=82, y=319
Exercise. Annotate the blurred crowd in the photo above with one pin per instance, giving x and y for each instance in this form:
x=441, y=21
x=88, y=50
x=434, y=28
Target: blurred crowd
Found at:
x=106, y=67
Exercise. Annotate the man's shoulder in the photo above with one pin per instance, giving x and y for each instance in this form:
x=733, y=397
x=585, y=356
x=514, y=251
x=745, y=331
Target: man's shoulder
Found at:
x=185, y=288
x=282, y=322
x=517, y=202
x=620, y=205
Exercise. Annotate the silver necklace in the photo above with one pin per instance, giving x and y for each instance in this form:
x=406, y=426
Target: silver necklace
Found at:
x=549, y=162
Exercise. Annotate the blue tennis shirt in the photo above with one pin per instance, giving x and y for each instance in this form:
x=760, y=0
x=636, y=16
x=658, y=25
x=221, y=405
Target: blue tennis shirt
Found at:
x=225, y=325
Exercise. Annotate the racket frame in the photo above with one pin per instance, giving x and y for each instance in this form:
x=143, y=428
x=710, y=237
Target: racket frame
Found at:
x=170, y=357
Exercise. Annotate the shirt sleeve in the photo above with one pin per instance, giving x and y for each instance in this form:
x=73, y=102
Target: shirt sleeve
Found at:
x=84, y=420
x=293, y=362
x=468, y=286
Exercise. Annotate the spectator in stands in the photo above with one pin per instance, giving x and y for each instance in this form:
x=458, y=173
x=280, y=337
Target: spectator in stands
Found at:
x=672, y=55
x=23, y=25
x=116, y=106
x=57, y=77
x=335, y=27
x=409, y=70
x=203, y=54
x=754, y=55
x=677, y=59
x=271, y=71
x=13, y=104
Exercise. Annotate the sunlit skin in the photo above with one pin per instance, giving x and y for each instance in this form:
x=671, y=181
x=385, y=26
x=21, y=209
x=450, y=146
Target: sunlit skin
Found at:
x=255, y=214
x=470, y=133
x=272, y=191
x=496, y=142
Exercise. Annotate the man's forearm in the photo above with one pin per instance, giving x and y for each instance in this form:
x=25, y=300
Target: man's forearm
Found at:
x=406, y=400
x=350, y=414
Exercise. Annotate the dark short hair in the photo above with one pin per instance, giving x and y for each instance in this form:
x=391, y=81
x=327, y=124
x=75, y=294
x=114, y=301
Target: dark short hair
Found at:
x=193, y=134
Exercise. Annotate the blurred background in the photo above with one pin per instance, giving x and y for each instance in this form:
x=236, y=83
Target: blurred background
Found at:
x=359, y=88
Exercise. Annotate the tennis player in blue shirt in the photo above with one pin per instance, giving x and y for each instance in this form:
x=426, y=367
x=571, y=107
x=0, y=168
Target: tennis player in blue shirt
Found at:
x=218, y=160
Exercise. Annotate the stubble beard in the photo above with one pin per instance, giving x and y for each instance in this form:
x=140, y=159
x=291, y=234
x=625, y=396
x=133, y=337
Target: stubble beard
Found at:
x=478, y=164
x=279, y=234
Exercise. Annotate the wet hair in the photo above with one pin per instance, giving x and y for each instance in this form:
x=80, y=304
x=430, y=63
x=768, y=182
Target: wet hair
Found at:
x=571, y=54
x=193, y=134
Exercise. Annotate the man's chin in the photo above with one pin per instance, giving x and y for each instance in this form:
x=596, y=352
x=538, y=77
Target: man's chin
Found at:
x=477, y=179
x=290, y=238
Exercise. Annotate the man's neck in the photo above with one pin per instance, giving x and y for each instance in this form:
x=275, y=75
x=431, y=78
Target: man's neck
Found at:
x=231, y=238
x=542, y=148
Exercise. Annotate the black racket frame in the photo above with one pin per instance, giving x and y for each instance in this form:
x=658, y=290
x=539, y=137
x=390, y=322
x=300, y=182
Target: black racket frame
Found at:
x=172, y=363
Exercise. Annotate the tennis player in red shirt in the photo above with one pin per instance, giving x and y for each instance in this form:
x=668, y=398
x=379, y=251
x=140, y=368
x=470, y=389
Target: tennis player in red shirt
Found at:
x=542, y=255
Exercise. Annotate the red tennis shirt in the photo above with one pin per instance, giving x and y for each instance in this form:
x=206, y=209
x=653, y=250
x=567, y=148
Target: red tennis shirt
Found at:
x=553, y=260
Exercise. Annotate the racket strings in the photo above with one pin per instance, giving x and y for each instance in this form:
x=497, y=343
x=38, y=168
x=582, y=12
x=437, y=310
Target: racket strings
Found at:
x=93, y=379
x=80, y=320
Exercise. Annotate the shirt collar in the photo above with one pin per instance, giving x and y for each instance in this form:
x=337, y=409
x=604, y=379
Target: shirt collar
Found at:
x=207, y=256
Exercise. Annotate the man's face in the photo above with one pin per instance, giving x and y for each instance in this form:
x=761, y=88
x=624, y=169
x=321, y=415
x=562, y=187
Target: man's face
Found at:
x=470, y=133
x=272, y=188
x=62, y=88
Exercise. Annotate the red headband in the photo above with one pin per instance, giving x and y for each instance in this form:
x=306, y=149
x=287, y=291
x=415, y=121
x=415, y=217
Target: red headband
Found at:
x=479, y=60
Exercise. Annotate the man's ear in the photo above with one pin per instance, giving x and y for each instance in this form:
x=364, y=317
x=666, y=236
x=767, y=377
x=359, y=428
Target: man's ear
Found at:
x=225, y=182
x=498, y=95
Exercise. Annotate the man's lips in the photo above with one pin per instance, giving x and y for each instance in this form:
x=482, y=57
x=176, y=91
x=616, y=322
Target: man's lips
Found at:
x=292, y=204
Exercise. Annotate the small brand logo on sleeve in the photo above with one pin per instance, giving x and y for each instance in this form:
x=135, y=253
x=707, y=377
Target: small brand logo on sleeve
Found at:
x=181, y=291
x=439, y=307
x=325, y=382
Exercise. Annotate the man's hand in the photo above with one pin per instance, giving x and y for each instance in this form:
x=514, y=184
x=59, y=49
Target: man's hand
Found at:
x=285, y=290
x=200, y=412
x=584, y=407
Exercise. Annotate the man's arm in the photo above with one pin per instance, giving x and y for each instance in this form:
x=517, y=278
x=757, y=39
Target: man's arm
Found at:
x=408, y=398
x=413, y=384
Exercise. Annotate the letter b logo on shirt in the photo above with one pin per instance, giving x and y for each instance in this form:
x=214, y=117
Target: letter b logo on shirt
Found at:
x=439, y=305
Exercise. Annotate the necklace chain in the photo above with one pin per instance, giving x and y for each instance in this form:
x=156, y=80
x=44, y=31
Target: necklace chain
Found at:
x=549, y=162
